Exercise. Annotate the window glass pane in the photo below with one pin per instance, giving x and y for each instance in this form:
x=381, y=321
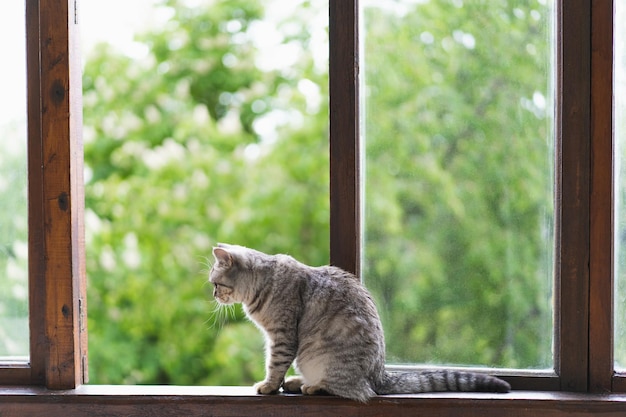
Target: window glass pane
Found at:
x=14, y=332
x=459, y=166
x=205, y=121
x=619, y=111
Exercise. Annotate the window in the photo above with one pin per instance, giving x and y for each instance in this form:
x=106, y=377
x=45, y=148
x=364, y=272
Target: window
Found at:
x=14, y=338
x=218, y=129
x=458, y=127
x=583, y=220
x=582, y=212
x=620, y=190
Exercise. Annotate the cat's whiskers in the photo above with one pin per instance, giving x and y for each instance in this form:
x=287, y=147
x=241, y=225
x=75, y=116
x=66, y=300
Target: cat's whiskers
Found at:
x=220, y=315
x=206, y=263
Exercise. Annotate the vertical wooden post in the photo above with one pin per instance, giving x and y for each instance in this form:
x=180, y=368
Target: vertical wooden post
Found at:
x=63, y=196
x=601, y=246
x=573, y=197
x=36, y=253
x=345, y=221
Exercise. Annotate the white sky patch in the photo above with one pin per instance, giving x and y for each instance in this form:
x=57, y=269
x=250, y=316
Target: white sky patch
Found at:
x=539, y=100
x=117, y=22
x=13, y=79
x=312, y=93
x=131, y=255
x=157, y=158
x=465, y=39
x=273, y=52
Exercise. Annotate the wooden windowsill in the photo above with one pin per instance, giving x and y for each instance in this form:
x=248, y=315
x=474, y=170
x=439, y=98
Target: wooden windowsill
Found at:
x=95, y=400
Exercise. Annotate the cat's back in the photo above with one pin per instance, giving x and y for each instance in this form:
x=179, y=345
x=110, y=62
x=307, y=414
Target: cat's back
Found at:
x=335, y=284
x=337, y=302
x=321, y=282
x=328, y=299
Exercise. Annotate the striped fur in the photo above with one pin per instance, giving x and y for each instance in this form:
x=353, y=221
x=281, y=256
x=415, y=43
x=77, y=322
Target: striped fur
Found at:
x=325, y=322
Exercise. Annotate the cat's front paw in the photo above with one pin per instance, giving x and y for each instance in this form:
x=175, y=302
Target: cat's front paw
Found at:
x=265, y=388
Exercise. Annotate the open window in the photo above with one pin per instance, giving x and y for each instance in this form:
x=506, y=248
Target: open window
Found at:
x=14, y=334
x=582, y=217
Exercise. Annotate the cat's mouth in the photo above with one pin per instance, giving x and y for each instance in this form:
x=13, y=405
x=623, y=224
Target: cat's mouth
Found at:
x=223, y=294
x=224, y=300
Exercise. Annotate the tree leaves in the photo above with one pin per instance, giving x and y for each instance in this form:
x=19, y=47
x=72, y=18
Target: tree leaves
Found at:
x=199, y=143
x=459, y=182
x=176, y=164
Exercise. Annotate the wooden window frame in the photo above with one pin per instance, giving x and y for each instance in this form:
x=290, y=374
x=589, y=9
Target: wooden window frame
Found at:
x=52, y=380
x=56, y=254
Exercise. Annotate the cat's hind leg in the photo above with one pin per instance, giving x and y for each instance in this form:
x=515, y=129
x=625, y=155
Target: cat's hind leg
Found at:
x=359, y=392
x=314, y=390
x=296, y=385
x=293, y=384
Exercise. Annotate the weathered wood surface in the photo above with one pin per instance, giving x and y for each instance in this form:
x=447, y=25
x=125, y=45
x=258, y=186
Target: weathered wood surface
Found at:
x=240, y=401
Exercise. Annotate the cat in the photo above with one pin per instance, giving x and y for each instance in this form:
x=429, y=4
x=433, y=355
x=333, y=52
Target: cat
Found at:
x=324, y=321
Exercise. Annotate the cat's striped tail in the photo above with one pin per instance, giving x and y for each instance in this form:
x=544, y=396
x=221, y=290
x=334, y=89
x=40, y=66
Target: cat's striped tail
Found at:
x=439, y=381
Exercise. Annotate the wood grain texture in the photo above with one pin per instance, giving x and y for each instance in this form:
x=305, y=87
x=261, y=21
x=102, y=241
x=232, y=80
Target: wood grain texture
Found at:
x=601, y=229
x=34, y=372
x=345, y=221
x=573, y=176
x=63, y=196
x=619, y=383
x=240, y=401
x=36, y=253
x=77, y=181
x=16, y=375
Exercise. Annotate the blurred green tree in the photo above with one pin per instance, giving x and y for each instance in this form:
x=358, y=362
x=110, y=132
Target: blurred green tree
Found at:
x=175, y=164
x=180, y=156
x=459, y=181
x=14, y=334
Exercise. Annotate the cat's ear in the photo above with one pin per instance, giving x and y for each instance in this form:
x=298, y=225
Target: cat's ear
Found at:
x=222, y=256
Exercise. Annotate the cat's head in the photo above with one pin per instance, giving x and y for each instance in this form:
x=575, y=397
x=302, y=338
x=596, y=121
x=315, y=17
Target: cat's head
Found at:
x=231, y=274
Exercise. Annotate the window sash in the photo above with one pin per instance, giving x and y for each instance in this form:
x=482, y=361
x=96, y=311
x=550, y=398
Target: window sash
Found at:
x=601, y=362
x=345, y=150
x=572, y=194
x=578, y=219
x=583, y=282
x=56, y=200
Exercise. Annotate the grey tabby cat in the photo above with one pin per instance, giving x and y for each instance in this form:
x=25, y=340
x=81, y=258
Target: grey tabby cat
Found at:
x=326, y=321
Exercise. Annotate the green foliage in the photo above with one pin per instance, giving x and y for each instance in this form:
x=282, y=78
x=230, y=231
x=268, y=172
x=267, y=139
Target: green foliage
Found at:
x=458, y=198
x=619, y=131
x=175, y=165
x=459, y=182
x=14, y=333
